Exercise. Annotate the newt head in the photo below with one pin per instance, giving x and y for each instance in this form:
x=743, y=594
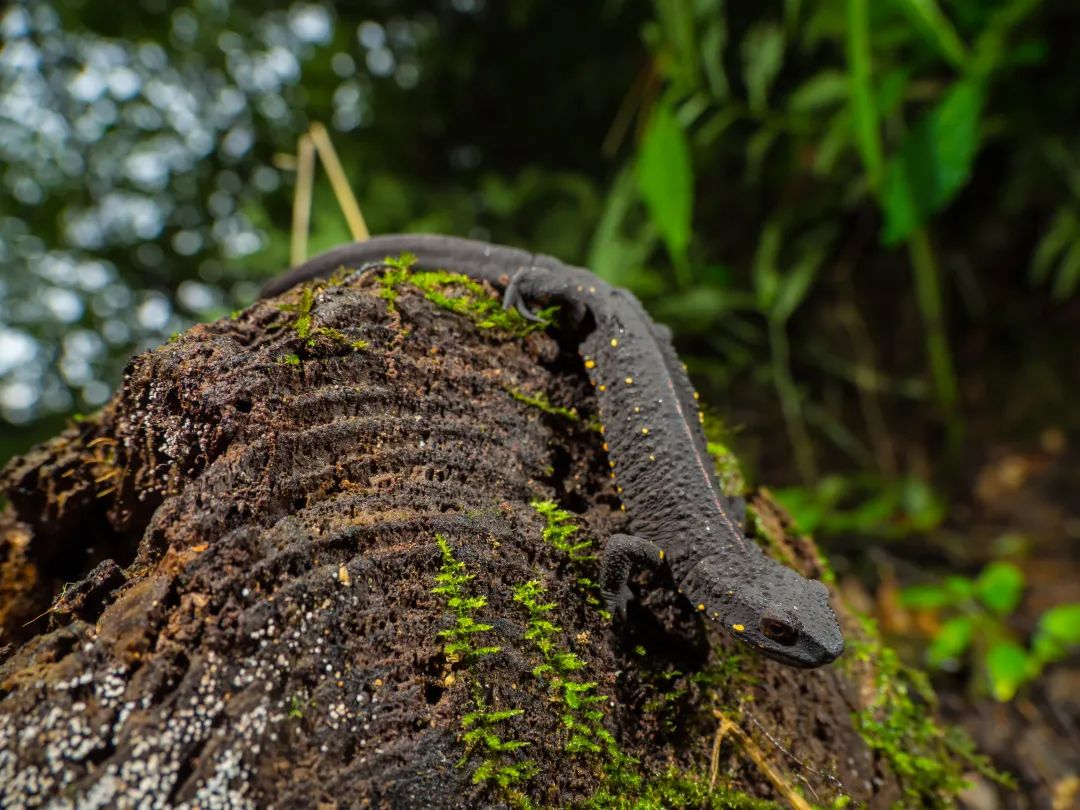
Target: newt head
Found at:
x=771, y=608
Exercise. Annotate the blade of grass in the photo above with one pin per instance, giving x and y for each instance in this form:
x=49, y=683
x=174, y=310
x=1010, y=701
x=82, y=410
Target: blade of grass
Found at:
x=340, y=183
x=931, y=20
x=928, y=290
x=301, y=210
x=867, y=129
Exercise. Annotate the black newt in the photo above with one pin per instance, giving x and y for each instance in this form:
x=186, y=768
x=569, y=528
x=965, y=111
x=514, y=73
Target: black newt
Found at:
x=655, y=444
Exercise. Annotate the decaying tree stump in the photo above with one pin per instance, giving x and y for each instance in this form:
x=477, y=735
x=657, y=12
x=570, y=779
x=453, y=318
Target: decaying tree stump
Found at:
x=305, y=558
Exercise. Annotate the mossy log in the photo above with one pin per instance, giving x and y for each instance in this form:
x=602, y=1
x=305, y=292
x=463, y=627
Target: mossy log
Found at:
x=337, y=551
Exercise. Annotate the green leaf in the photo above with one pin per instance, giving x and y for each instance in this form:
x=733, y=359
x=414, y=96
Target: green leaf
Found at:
x=952, y=639
x=666, y=181
x=991, y=49
x=713, y=40
x=1068, y=274
x=614, y=253
x=763, y=55
x=803, y=505
x=999, y=587
x=925, y=597
x=795, y=285
x=935, y=26
x=756, y=150
x=1062, y=622
x=1064, y=231
x=765, y=273
x=959, y=588
x=867, y=130
x=1058, y=633
x=676, y=20
x=825, y=89
x=890, y=91
x=1009, y=667
x=697, y=310
x=934, y=161
x=922, y=507
x=834, y=141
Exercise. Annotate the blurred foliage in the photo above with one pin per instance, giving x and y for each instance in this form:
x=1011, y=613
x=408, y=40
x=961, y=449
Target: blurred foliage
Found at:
x=865, y=506
x=976, y=626
x=856, y=216
x=145, y=180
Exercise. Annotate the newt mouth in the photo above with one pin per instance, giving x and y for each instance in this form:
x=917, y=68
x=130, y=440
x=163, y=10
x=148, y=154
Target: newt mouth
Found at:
x=798, y=662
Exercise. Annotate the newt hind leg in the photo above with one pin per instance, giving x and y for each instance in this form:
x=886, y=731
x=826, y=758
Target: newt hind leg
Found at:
x=622, y=554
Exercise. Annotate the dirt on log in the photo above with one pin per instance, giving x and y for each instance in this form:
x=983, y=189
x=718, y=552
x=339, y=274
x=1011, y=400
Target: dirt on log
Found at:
x=314, y=556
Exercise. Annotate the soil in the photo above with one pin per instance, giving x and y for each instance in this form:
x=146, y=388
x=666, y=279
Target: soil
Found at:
x=221, y=590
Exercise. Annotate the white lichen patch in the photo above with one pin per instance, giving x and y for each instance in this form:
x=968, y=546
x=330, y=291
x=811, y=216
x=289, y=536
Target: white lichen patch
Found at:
x=91, y=742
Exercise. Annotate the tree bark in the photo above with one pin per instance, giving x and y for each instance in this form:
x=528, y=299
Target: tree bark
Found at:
x=222, y=591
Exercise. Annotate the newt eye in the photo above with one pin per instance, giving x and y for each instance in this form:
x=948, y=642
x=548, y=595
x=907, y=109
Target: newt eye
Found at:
x=778, y=631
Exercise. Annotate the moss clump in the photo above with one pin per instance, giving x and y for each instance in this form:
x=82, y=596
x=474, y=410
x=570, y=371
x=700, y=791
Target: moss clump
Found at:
x=732, y=481
x=673, y=789
x=541, y=401
x=559, y=530
x=759, y=529
x=458, y=293
x=898, y=723
x=497, y=766
x=493, y=769
x=725, y=675
x=451, y=579
x=305, y=328
x=581, y=717
x=297, y=704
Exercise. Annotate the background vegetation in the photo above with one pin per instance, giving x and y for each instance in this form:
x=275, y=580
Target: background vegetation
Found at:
x=862, y=219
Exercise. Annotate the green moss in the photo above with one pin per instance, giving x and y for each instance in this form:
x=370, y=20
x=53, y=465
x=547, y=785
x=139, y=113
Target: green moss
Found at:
x=458, y=293
x=898, y=723
x=304, y=326
x=541, y=401
x=621, y=784
x=559, y=530
x=732, y=481
x=451, y=581
x=498, y=766
x=582, y=718
x=774, y=544
x=296, y=707
x=290, y=360
x=480, y=734
x=673, y=789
